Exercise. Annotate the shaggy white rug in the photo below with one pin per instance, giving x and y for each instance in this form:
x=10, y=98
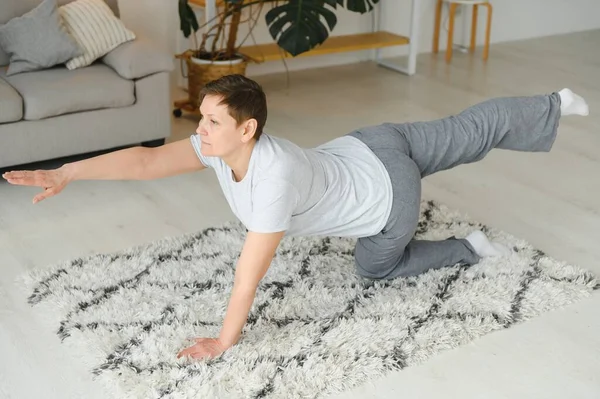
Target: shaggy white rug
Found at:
x=315, y=327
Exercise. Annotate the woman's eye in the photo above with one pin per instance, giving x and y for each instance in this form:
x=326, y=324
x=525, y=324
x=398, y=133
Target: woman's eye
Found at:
x=214, y=122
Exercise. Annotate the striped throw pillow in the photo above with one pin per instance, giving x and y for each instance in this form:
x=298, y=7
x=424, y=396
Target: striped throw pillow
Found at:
x=95, y=28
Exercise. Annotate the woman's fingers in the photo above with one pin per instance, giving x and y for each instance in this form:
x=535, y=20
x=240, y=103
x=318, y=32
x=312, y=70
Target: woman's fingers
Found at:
x=20, y=182
x=12, y=175
x=20, y=174
x=43, y=195
x=27, y=178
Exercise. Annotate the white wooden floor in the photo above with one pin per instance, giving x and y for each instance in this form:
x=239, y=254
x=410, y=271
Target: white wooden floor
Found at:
x=552, y=200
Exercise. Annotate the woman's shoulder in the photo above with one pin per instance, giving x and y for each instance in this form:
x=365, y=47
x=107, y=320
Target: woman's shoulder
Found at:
x=278, y=157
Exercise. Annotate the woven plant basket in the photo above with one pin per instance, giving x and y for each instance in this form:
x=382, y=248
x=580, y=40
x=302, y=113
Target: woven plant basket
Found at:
x=200, y=74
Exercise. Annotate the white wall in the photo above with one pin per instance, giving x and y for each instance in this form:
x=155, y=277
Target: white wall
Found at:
x=154, y=19
x=512, y=20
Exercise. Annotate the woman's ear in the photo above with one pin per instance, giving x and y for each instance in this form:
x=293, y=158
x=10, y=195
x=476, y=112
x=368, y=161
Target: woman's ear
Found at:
x=249, y=129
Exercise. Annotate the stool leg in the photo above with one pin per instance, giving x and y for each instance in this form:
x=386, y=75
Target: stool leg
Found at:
x=436, y=27
x=474, y=28
x=453, y=7
x=486, y=49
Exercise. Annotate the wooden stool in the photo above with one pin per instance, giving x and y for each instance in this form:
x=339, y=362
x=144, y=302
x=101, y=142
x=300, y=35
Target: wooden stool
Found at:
x=453, y=6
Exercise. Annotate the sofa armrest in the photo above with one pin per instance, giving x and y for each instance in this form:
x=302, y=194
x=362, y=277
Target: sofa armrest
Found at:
x=138, y=58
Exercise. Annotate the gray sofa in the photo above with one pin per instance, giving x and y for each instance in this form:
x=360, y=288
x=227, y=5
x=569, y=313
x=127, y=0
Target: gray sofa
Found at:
x=121, y=99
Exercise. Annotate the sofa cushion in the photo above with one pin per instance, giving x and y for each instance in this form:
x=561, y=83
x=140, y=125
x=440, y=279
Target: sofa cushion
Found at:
x=95, y=28
x=58, y=91
x=11, y=103
x=10, y=9
x=37, y=40
x=138, y=58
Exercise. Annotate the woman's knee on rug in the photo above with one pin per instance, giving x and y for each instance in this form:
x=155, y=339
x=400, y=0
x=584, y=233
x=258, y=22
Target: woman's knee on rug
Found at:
x=379, y=258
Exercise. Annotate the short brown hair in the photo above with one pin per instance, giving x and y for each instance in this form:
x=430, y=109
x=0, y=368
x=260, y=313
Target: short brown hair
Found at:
x=244, y=98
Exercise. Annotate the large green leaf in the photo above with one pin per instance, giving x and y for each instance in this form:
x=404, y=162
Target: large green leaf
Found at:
x=187, y=19
x=300, y=25
x=361, y=6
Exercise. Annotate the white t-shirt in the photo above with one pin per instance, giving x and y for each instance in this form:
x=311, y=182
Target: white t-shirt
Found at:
x=339, y=188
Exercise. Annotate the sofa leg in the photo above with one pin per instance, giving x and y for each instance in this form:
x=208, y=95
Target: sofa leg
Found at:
x=154, y=143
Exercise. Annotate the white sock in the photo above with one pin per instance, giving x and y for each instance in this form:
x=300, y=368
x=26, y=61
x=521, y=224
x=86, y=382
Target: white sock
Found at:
x=572, y=104
x=484, y=247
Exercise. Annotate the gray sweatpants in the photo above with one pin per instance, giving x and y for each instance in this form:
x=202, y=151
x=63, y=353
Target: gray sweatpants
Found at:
x=411, y=151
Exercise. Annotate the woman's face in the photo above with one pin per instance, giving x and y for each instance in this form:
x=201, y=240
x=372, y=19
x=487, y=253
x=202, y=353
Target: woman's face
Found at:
x=219, y=132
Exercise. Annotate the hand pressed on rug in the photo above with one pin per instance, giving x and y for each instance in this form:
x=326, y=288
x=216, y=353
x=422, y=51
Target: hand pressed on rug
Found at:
x=204, y=348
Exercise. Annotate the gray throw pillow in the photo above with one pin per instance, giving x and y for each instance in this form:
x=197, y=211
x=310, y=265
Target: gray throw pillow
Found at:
x=37, y=40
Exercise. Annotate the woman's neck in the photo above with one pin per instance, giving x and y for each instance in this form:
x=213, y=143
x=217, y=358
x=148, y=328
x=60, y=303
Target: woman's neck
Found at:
x=239, y=161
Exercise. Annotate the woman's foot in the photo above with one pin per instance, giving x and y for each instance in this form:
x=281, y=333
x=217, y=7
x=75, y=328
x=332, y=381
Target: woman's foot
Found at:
x=572, y=104
x=484, y=247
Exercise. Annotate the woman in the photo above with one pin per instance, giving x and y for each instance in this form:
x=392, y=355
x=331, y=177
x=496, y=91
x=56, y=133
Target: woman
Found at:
x=366, y=184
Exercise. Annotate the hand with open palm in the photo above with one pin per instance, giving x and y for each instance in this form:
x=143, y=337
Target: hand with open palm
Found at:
x=52, y=181
x=204, y=348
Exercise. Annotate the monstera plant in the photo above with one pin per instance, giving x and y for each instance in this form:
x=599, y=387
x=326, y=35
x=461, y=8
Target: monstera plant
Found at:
x=296, y=25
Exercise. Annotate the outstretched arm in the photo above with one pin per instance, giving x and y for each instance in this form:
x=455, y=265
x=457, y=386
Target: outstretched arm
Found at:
x=255, y=259
x=136, y=163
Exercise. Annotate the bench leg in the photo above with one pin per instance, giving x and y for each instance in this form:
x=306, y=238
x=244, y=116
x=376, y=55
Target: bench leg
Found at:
x=453, y=7
x=436, y=27
x=474, y=28
x=486, y=49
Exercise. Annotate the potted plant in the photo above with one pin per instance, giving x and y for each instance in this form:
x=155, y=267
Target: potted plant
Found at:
x=296, y=25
